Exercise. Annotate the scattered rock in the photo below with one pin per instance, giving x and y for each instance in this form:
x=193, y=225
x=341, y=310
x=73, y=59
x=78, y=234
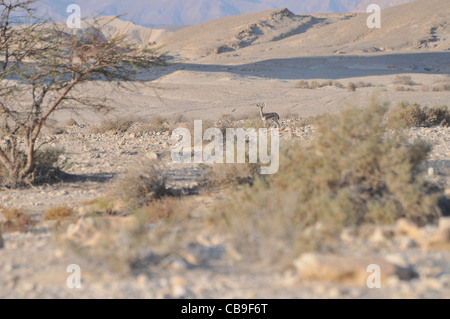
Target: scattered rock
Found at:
x=151, y=155
x=441, y=237
x=347, y=269
x=2, y=243
x=87, y=232
x=83, y=233
x=406, y=227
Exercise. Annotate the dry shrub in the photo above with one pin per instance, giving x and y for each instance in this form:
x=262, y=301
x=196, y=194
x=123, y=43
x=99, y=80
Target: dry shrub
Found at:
x=15, y=221
x=232, y=174
x=326, y=83
x=160, y=210
x=441, y=87
x=314, y=85
x=400, y=88
x=351, y=174
x=302, y=84
x=156, y=124
x=404, y=80
x=70, y=122
x=362, y=84
x=351, y=87
x=60, y=213
x=116, y=125
x=338, y=84
x=143, y=182
x=405, y=115
x=45, y=169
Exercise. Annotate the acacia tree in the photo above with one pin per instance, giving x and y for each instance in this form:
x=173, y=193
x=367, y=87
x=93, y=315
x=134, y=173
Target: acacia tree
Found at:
x=41, y=64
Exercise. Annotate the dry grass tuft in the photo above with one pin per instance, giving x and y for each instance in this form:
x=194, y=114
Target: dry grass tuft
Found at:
x=16, y=221
x=60, y=213
x=143, y=182
x=117, y=125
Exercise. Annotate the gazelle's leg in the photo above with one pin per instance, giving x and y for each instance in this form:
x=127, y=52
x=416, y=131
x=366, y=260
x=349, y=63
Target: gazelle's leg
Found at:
x=278, y=123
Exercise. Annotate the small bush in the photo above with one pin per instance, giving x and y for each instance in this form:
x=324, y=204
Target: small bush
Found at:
x=59, y=213
x=361, y=84
x=441, y=87
x=156, y=124
x=405, y=115
x=351, y=87
x=118, y=125
x=404, y=80
x=302, y=84
x=314, y=85
x=400, y=88
x=224, y=175
x=16, y=220
x=143, y=182
x=45, y=169
x=160, y=210
x=326, y=83
x=338, y=84
x=70, y=122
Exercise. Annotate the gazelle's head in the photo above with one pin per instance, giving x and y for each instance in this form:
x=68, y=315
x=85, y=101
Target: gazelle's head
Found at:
x=261, y=105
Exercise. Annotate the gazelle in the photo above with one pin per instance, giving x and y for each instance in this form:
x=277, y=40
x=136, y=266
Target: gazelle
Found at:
x=274, y=117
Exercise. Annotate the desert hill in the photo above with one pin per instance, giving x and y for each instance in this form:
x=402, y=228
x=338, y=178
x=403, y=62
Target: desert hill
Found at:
x=413, y=26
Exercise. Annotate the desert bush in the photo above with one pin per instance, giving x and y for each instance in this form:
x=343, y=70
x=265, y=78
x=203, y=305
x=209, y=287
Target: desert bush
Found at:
x=362, y=84
x=326, y=83
x=156, y=124
x=441, y=87
x=116, y=125
x=143, y=182
x=60, y=213
x=351, y=174
x=302, y=84
x=160, y=210
x=70, y=122
x=314, y=85
x=15, y=220
x=229, y=174
x=400, y=88
x=338, y=84
x=405, y=115
x=404, y=80
x=45, y=169
x=351, y=87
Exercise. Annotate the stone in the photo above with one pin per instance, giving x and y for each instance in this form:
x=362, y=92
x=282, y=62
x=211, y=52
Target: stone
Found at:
x=151, y=155
x=406, y=227
x=440, y=239
x=347, y=269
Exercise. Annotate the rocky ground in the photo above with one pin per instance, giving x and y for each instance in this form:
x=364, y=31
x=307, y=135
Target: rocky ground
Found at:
x=33, y=264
